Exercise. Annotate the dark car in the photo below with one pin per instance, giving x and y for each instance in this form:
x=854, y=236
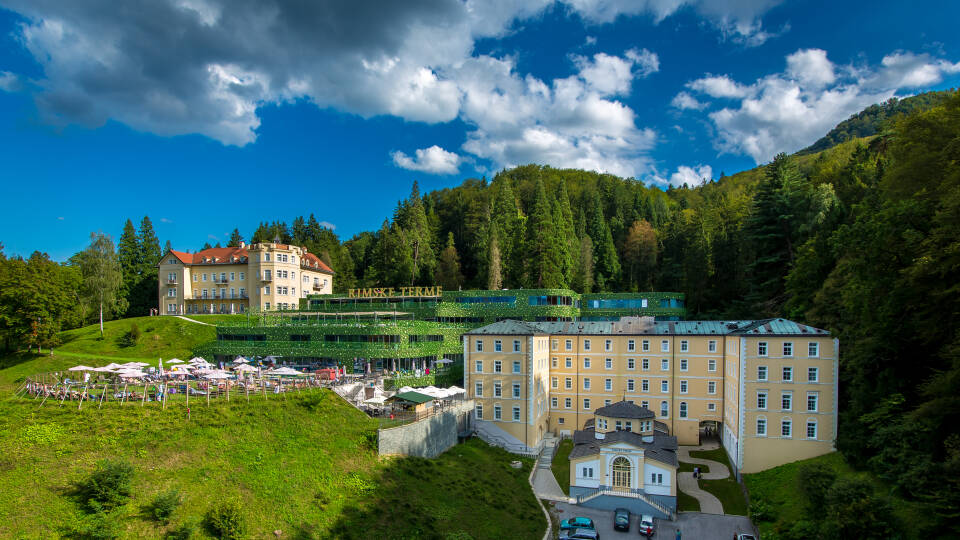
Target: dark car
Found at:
x=621, y=519
x=577, y=523
x=579, y=534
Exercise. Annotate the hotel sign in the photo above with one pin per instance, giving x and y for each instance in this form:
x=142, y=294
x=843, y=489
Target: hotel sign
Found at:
x=395, y=292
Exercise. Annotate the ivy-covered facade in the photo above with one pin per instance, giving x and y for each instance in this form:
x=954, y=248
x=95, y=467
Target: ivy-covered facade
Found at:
x=406, y=333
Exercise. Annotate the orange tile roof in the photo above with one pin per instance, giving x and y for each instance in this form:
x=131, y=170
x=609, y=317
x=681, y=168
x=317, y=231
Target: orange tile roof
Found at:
x=224, y=256
x=315, y=261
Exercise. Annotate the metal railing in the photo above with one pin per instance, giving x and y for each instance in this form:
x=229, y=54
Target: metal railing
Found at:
x=607, y=490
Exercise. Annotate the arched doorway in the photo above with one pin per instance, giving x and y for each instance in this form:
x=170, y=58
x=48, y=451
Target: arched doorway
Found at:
x=621, y=474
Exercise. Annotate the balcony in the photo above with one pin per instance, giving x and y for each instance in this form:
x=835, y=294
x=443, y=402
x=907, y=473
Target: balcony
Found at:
x=266, y=277
x=219, y=280
x=171, y=281
x=318, y=286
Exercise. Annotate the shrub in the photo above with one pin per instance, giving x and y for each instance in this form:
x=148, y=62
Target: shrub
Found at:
x=226, y=520
x=164, y=504
x=760, y=510
x=815, y=480
x=131, y=337
x=108, y=486
x=183, y=532
x=96, y=526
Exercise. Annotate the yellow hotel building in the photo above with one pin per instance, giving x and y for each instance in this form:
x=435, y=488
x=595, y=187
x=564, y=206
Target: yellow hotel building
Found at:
x=767, y=387
x=265, y=276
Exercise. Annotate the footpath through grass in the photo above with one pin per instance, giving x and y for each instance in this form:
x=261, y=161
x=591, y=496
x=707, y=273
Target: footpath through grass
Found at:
x=727, y=490
x=561, y=464
x=306, y=465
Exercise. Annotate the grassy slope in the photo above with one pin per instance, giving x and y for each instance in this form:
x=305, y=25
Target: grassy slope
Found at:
x=561, y=464
x=164, y=337
x=779, y=488
x=727, y=490
x=305, y=465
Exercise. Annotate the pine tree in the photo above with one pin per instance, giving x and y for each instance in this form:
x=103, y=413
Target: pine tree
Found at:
x=448, y=268
x=768, y=229
x=583, y=278
x=605, y=261
x=412, y=219
x=206, y=245
x=128, y=255
x=494, y=276
x=542, y=251
x=235, y=238
x=301, y=234
x=640, y=255
x=144, y=296
x=149, y=246
x=261, y=234
x=566, y=233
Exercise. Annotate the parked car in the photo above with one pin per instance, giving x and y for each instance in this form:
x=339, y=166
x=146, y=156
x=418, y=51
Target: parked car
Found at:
x=646, y=526
x=577, y=523
x=579, y=534
x=746, y=537
x=621, y=519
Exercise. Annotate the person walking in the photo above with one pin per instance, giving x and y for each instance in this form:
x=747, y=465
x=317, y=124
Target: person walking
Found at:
x=678, y=534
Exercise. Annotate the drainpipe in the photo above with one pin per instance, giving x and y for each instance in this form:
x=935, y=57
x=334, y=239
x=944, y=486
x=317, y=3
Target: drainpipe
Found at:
x=673, y=376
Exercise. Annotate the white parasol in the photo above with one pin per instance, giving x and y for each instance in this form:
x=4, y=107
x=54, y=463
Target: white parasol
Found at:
x=174, y=361
x=81, y=368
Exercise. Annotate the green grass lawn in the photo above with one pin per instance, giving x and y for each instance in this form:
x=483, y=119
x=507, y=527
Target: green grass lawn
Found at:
x=727, y=490
x=688, y=467
x=561, y=464
x=215, y=320
x=306, y=465
x=779, y=488
x=686, y=503
x=161, y=337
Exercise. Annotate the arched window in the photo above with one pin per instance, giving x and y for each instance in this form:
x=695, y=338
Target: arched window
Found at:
x=664, y=408
x=683, y=409
x=620, y=472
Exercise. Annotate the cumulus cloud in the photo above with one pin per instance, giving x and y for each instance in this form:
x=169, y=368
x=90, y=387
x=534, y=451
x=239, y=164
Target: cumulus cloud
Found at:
x=433, y=160
x=787, y=111
x=10, y=82
x=613, y=75
x=683, y=101
x=684, y=175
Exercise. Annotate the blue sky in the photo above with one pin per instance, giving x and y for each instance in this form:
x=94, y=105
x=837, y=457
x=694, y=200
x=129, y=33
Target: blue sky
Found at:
x=206, y=118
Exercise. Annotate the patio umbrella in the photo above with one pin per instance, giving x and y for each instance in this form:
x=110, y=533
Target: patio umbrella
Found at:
x=444, y=361
x=197, y=359
x=104, y=369
x=244, y=368
x=175, y=361
x=285, y=371
x=240, y=360
x=81, y=368
x=216, y=375
x=111, y=365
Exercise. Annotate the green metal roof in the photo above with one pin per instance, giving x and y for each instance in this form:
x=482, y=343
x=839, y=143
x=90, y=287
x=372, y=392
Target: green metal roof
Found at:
x=412, y=397
x=648, y=326
x=510, y=328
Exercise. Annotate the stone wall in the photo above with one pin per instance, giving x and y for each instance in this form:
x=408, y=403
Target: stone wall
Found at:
x=426, y=438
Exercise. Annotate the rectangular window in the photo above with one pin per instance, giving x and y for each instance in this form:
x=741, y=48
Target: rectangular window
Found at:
x=664, y=386
x=645, y=385
x=761, y=373
x=479, y=366
x=711, y=387
x=478, y=389
x=712, y=345
x=761, y=400
x=786, y=401
x=645, y=404
x=631, y=363
x=811, y=429
x=586, y=344
x=630, y=385
x=266, y=305
x=553, y=402
x=684, y=345
x=618, y=425
x=608, y=345
x=497, y=366
x=242, y=276
x=683, y=364
x=683, y=387
x=204, y=278
x=813, y=401
x=568, y=383
x=665, y=346
x=646, y=364
x=479, y=345
x=645, y=345
x=497, y=346
x=586, y=384
x=516, y=345
x=555, y=382
x=497, y=389
x=569, y=345
x=478, y=411
x=553, y=344
x=608, y=384
x=516, y=414
x=195, y=276
x=631, y=345
x=813, y=374
x=683, y=409
x=787, y=374
x=761, y=427
x=586, y=363
x=664, y=408
x=787, y=348
x=496, y=412
x=813, y=349
x=608, y=363
x=568, y=403
x=711, y=365
x=711, y=407
x=516, y=390
x=568, y=362
x=586, y=403
x=762, y=348
x=786, y=428
x=516, y=366
x=553, y=362
x=664, y=364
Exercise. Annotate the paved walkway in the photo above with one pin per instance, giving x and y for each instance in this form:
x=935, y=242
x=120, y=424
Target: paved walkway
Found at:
x=194, y=320
x=709, y=504
x=545, y=485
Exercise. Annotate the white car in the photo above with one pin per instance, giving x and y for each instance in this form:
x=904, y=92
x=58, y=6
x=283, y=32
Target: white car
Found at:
x=646, y=526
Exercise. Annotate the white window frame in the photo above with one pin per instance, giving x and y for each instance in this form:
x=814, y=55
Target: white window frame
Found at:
x=586, y=403
x=608, y=363
x=664, y=409
x=664, y=386
x=761, y=428
x=516, y=390
x=786, y=374
x=787, y=348
x=763, y=400
x=815, y=371
x=569, y=345
x=712, y=345
x=813, y=349
x=608, y=385
x=516, y=414
x=645, y=345
x=762, y=373
x=788, y=424
x=816, y=401
x=683, y=409
x=664, y=364
x=478, y=388
x=683, y=386
x=665, y=345
x=786, y=397
x=478, y=366
x=498, y=366
x=478, y=344
x=684, y=364
x=586, y=383
x=631, y=363
x=762, y=348
x=478, y=411
x=631, y=345
x=586, y=362
x=497, y=345
x=516, y=367
x=712, y=387
x=712, y=365
x=586, y=344
x=684, y=345
x=816, y=429
x=516, y=345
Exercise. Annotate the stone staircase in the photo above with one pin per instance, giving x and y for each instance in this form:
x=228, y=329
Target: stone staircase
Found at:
x=639, y=496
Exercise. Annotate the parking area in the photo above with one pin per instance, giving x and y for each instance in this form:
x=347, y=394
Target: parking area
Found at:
x=692, y=525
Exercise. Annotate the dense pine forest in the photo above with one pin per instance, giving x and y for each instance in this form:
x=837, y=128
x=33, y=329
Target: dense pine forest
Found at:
x=859, y=234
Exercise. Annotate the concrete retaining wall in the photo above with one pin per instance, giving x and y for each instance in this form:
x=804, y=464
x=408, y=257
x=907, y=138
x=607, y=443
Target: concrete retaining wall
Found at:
x=426, y=438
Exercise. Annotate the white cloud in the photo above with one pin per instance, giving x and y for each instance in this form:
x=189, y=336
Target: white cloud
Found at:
x=165, y=220
x=721, y=86
x=613, y=75
x=433, y=160
x=328, y=225
x=785, y=112
x=691, y=176
x=60, y=218
x=683, y=101
x=10, y=82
